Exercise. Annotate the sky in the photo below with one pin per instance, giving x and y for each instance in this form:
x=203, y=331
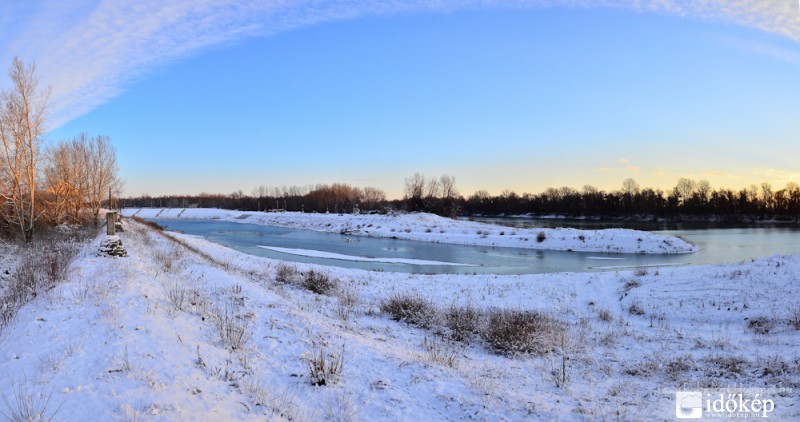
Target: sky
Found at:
x=219, y=96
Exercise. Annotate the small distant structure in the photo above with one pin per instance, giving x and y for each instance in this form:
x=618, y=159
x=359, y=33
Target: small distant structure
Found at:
x=111, y=223
x=356, y=210
x=112, y=245
x=193, y=206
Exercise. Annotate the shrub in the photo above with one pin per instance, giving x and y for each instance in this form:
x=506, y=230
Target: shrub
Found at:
x=232, y=329
x=27, y=406
x=635, y=309
x=320, y=283
x=325, y=368
x=773, y=366
x=761, y=325
x=441, y=351
x=725, y=366
x=348, y=300
x=166, y=257
x=679, y=365
x=177, y=295
x=540, y=237
x=463, y=321
x=632, y=284
x=641, y=369
x=794, y=318
x=605, y=315
x=39, y=266
x=516, y=331
x=412, y=309
x=285, y=273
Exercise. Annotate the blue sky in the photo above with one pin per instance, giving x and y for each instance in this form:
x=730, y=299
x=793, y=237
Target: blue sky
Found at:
x=216, y=96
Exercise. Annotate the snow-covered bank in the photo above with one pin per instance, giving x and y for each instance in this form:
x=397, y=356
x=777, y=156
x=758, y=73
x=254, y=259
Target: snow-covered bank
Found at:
x=432, y=228
x=139, y=338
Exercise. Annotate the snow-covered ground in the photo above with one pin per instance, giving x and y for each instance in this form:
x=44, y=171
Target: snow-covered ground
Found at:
x=206, y=333
x=432, y=228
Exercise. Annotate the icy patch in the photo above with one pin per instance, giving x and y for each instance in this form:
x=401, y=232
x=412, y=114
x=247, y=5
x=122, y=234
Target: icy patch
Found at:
x=632, y=267
x=330, y=255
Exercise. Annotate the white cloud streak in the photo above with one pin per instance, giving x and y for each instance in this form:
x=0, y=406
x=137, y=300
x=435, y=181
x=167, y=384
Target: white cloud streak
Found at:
x=89, y=50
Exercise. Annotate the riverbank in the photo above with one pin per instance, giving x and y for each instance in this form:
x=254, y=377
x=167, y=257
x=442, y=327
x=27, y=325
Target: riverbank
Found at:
x=432, y=228
x=185, y=329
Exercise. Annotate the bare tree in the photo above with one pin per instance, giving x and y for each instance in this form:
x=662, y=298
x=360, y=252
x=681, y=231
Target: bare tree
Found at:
x=767, y=196
x=447, y=185
x=22, y=124
x=65, y=177
x=414, y=190
x=630, y=186
x=704, y=190
x=432, y=189
x=102, y=175
x=590, y=190
x=79, y=174
x=685, y=188
x=373, y=197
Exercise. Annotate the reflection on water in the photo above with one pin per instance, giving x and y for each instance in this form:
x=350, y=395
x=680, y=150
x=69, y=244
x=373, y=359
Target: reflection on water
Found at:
x=717, y=245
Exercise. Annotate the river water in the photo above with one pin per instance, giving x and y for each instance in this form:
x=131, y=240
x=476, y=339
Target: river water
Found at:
x=718, y=244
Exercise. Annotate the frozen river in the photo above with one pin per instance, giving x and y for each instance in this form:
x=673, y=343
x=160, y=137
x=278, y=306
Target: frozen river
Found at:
x=717, y=245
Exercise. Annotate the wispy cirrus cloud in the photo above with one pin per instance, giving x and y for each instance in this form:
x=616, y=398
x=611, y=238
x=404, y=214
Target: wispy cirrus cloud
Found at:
x=761, y=48
x=88, y=50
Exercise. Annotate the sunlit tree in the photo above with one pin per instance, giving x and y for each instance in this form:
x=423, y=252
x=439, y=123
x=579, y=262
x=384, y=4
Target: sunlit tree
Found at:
x=22, y=126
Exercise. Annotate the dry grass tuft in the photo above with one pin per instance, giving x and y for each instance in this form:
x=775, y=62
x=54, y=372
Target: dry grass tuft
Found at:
x=441, y=351
x=320, y=283
x=513, y=332
x=325, y=368
x=412, y=309
x=463, y=322
x=285, y=274
x=761, y=324
x=24, y=405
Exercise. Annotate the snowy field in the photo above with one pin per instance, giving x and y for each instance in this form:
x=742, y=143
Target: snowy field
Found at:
x=432, y=228
x=190, y=330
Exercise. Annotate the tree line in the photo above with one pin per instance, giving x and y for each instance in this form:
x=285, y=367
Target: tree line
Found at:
x=42, y=185
x=336, y=198
x=688, y=199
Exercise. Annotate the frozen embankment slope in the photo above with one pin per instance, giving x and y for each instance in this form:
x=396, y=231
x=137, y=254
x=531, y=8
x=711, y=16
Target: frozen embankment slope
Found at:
x=432, y=228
